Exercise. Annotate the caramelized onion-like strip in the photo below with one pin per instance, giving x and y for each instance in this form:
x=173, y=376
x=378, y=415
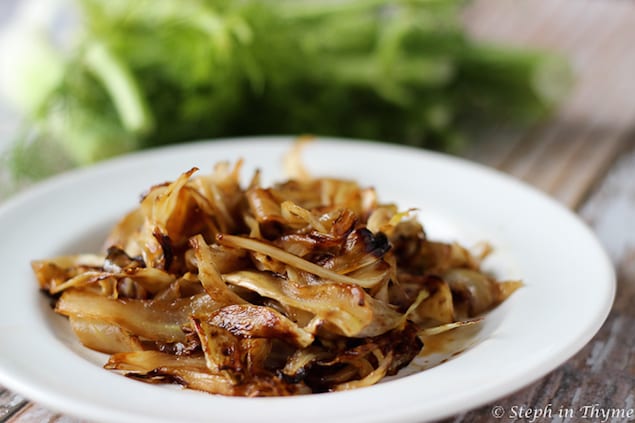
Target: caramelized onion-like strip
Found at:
x=298, y=363
x=105, y=337
x=252, y=321
x=192, y=372
x=292, y=212
x=448, y=326
x=80, y=280
x=287, y=258
x=347, y=307
x=362, y=248
x=149, y=319
x=480, y=291
x=146, y=361
x=372, y=378
x=152, y=280
x=70, y=261
x=292, y=163
x=374, y=274
x=264, y=206
x=210, y=277
x=164, y=209
x=189, y=371
x=507, y=288
x=439, y=306
x=53, y=272
x=124, y=234
x=221, y=349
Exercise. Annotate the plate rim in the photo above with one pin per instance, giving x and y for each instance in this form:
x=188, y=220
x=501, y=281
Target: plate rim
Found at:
x=492, y=392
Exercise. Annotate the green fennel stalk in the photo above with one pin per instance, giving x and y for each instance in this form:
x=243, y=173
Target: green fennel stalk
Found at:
x=147, y=73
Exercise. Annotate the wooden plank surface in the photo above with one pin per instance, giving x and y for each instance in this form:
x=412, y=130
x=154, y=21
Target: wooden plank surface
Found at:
x=10, y=403
x=567, y=156
x=602, y=374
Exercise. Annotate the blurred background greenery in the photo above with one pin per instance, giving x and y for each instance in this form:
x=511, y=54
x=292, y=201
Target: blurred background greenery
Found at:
x=113, y=76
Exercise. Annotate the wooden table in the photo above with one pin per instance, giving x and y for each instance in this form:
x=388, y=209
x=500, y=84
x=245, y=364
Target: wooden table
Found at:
x=585, y=158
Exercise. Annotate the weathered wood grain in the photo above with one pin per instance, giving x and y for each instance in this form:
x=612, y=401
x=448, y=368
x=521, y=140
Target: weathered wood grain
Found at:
x=603, y=372
x=566, y=156
x=10, y=403
x=597, y=37
x=563, y=159
x=34, y=413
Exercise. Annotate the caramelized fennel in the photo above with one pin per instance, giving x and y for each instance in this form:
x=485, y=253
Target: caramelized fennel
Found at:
x=309, y=285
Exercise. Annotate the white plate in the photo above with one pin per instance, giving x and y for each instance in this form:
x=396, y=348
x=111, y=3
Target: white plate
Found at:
x=569, y=281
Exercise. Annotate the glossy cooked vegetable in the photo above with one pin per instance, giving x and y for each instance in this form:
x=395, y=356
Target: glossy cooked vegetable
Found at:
x=309, y=285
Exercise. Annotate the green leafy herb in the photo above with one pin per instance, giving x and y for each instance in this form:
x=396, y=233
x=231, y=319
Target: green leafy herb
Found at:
x=152, y=72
